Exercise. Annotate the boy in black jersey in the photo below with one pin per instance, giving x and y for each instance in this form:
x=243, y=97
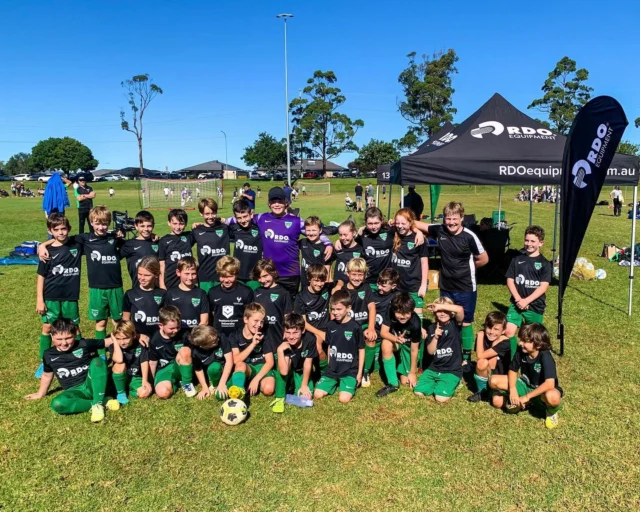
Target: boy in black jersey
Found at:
x=295, y=361
x=386, y=290
x=402, y=334
x=170, y=356
x=58, y=284
x=81, y=374
x=212, y=240
x=143, y=302
x=363, y=311
x=313, y=304
x=346, y=351
x=103, y=267
x=528, y=279
x=192, y=302
x=443, y=375
x=275, y=299
x=349, y=249
x=493, y=351
x=228, y=300
x=252, y=355
x=212, y=357
x=248, y=241
x=537, y=384
x=144, y=244
x=129, y=365
x=311, y=248
x=173, y=247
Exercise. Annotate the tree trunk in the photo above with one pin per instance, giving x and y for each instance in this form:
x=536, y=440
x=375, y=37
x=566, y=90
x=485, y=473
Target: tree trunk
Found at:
x=140, y=156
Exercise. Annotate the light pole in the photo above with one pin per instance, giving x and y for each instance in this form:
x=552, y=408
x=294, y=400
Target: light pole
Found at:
x=226, y=155
x=285, y=16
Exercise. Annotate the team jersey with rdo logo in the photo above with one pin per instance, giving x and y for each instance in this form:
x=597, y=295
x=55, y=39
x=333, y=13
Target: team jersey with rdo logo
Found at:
x=307, y=349
x=202, y=358
x=165, y=350
x=134, y=251
x=191, y=303
x=412, y=330
x=277, y=302
x=237, y=340
x=528, y=274
x=311, y=253
x=377, y=251
x=71, y=367
x=448, y=355
x=62, y=271
x=361, y=297
x=172, y=249
x=103, y=260
x=248, y=247
x=144, y=306
x=212, y=244
x=344, y=256
x=314, y=306
x=133, y=357
x=535, y=370
x=344, y=342
x=407, y=260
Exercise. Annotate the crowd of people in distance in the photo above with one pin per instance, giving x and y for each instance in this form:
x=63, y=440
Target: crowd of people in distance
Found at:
x=548, y=194
x=289, y=313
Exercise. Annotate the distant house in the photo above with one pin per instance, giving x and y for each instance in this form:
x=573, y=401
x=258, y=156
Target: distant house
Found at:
x=309, y=164
x=131, y=172
x=212, y=166
x=102, y=172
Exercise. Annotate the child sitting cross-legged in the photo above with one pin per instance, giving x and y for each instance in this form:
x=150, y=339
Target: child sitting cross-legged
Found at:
x=212, y=360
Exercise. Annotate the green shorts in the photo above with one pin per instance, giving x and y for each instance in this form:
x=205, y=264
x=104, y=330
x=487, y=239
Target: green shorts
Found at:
x=205, y=286
x=345, y=384
x=133, y=384
x=294, y=382
x=438, y=384
x=104, y=304
x=255, y=369
x=417, y=299
x=170, y=373
x=403, y=355
x=516, y=317
x=61, y=309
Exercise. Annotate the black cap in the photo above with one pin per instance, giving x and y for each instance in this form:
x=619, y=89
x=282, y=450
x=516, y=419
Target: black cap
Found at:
x=277, y=193
x=82, y=177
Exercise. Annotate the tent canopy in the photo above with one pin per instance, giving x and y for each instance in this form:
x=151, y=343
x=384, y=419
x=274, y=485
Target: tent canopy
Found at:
x=498, y=145
x=440, y=138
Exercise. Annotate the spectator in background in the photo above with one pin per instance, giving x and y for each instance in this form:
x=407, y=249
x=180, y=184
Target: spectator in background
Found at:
x=414, y=202
x=84, y=199
x=358, y=192
x=616, y=195
x=249, y=195
x=287, y=192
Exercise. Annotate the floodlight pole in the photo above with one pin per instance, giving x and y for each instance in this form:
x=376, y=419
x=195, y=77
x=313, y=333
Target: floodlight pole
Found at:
x=226, y=154
x=634, y=212
x=285, y=16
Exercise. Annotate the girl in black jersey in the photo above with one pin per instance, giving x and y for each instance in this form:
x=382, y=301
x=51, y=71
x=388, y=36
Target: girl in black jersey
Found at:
x=377, y=241
x=349, y=249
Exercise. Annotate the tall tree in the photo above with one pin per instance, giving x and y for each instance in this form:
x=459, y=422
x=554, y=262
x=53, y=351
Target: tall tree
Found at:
x=266, y=152
x=66, y=154
x=375, y=153
x=140, y=92
x=428, y=91
x=18, y=164
x=565, y=92
x=316, y=119
x=637, y=122
x=628, y=148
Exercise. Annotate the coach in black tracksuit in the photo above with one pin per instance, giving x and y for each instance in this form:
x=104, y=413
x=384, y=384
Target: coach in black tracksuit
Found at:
x=84, y=197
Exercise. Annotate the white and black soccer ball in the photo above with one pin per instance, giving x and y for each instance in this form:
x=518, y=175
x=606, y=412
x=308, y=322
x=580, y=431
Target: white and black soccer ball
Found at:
x=233, y=412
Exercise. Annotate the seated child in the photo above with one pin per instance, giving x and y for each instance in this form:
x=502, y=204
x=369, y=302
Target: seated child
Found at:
x=538, y=380
x=252, y=357
x=170, y=357
x=444, y=343
x=81, y=374
x=295, y=361
x=493, y=350
x=130, y=364
x=346, y=351
x=401, y=334
x=212, y=356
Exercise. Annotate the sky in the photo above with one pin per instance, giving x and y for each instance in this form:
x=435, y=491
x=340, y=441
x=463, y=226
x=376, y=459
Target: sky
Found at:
x=221, y=66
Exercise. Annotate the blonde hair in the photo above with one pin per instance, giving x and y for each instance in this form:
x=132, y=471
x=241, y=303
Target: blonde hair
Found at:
x=445, y=300
x=453, y=208
x=187, y=262
x=204, y=336
x=125, y=327
x=253, y=308
x=228, y=266
x=169, y=314
x=357, y=265
x=410, y=217
x=100, y=214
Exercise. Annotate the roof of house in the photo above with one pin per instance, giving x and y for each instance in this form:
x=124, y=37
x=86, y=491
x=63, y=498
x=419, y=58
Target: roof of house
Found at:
x=310, y=164
x=213, y=165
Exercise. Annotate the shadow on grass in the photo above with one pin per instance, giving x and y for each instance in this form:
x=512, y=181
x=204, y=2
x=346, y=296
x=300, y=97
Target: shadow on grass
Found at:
x=503, y=308
x=615, y=308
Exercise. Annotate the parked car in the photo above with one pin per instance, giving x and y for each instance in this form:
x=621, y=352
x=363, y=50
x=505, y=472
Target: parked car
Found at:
x=121, y=177
x=311, y=175
x=5, y=178
x=111, y=177
x=98, y=179
x=23, y=177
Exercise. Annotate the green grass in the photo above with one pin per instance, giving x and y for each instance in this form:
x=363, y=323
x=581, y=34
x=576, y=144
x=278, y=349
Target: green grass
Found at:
x=400, y=453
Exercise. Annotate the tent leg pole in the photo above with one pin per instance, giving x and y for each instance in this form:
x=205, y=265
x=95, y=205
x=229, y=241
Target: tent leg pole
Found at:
x=402, y=196
x=531, y=205
x=377, y=196
x=634, y=212
x=389, y=208
x=499, y=204
x=555, y=230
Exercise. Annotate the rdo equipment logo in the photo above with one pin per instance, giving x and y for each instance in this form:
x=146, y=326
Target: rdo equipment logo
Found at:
x=514, y=132
x=582, y=168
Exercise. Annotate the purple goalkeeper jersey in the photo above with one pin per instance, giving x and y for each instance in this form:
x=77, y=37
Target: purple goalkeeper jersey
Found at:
x=280, y=240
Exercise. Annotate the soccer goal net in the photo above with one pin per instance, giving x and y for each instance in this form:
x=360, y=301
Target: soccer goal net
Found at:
x=179, y=193
x=312, y=188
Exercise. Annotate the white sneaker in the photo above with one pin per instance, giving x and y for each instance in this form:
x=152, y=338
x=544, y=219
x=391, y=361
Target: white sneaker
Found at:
x=366, y=382
x=189, y=390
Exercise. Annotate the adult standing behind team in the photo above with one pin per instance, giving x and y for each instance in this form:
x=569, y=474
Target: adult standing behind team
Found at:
x=358, y=192
x=84, y=199
x=280, y=232
x=462, y=253
x=249, y=195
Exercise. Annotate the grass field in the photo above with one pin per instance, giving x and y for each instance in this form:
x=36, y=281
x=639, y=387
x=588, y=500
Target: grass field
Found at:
x=400, y=453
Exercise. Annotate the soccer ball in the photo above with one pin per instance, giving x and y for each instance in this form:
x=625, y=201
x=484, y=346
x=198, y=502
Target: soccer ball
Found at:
x=233, y=412
x=601, y=273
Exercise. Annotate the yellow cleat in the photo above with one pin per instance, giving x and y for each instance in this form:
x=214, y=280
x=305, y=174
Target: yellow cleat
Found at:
x=278, y=405
x=113, y=405
x=551, y=421
x=97, y=413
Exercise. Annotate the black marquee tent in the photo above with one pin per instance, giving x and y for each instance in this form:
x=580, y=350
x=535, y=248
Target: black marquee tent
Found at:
x=499, y=145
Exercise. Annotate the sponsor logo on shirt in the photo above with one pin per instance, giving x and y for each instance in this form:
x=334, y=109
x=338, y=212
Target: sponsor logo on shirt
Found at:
x=288, y=224
x=227, y=311
x=410, y=245
x=444, y=352
x=206, y=250
x=271, y=320
x=528, y=283
x=314, y=316
x=537, y=265
x=269, y=233
x=370, y=251
x=74, y=252
x=59, y=270
x=143, y=318
x=274, y=297
x=158, y=299
x=240, y=245
x=316, y=253
x=400, y=262
x=195, y=302
x=254, y=233
x=77, y=353
x=104, y=260
x=341, y=357
x=378, y=319
x=359, y=317
x=177, y=255
x=63, y=373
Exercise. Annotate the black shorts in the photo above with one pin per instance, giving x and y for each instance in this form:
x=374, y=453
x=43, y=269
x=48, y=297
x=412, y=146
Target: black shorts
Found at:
x=291, y=284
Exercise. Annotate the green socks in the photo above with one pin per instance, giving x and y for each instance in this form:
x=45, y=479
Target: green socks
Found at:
x=101, y=335
x=120, y=382
x=323, y=363
x=45, y=343
x=237, y=379
x=390, y=370
x=281, y=385
x=552, y=410
x=369, y=358
x=467, y=342
x=186, y=373
x=97, y=379
x=514, y=345
x=481, y=382
x=214, y=373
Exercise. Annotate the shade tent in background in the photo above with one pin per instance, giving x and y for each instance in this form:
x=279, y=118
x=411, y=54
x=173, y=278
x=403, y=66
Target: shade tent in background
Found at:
x=500, y=145
x=383, y=172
